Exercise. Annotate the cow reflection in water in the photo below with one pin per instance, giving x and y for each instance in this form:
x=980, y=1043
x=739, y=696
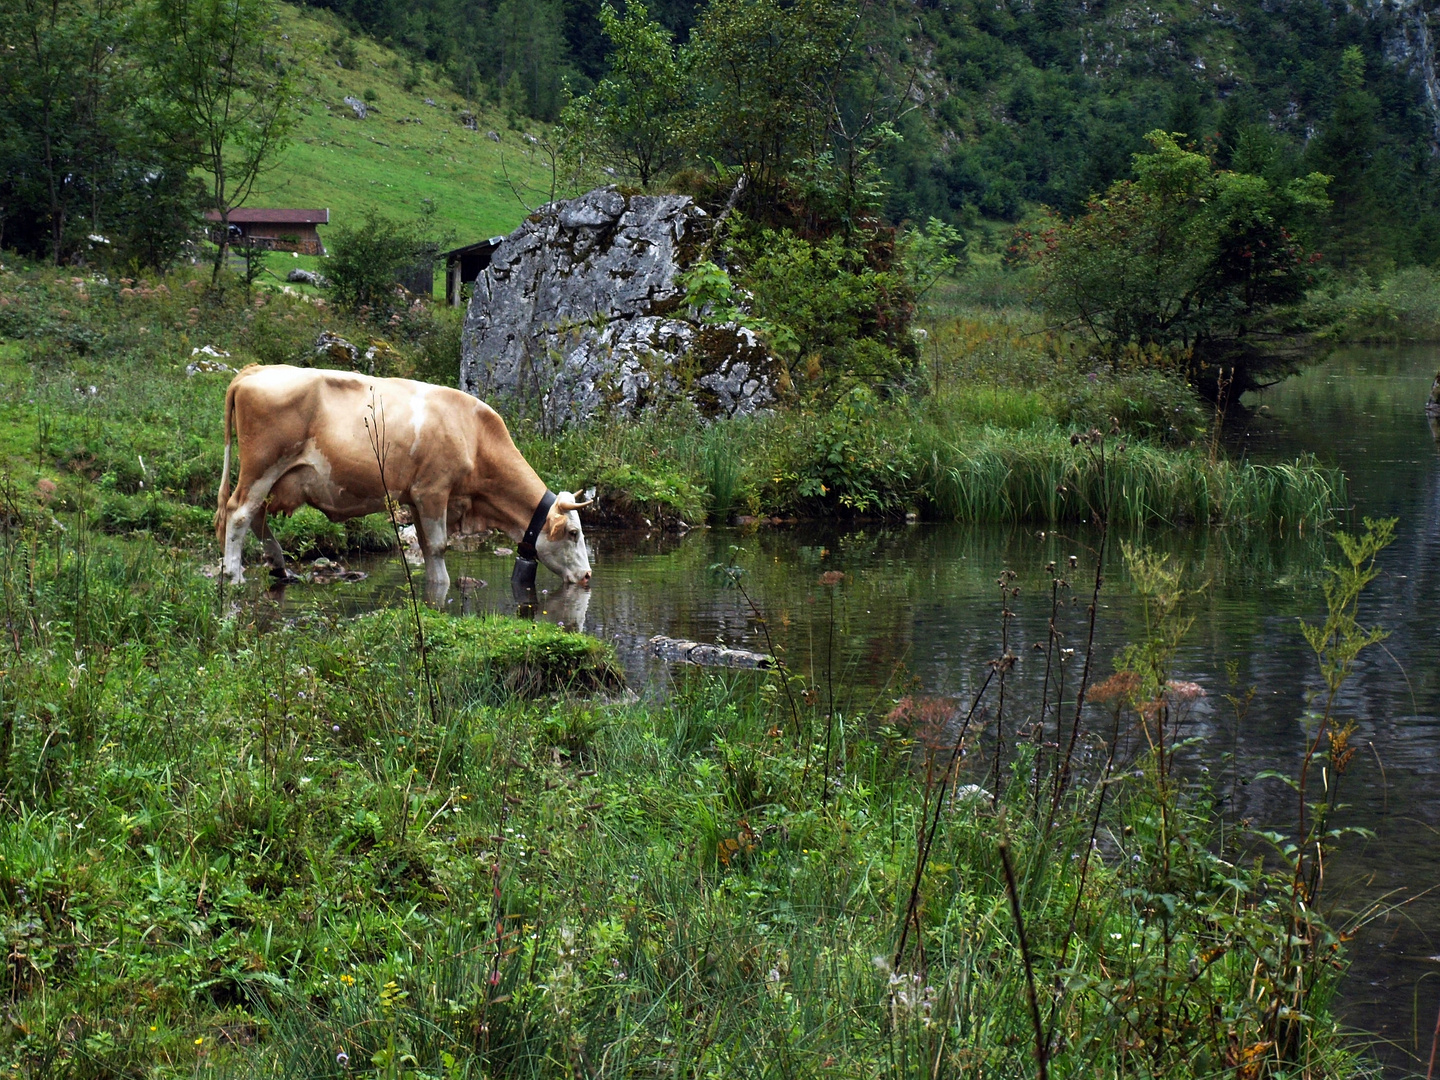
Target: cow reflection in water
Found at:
x=566, y=606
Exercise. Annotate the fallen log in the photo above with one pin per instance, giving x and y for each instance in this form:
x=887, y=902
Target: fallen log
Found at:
x=680, y=651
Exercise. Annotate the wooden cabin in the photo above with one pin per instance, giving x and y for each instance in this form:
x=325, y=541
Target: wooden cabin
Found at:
x=465, y=264
x=275, y=229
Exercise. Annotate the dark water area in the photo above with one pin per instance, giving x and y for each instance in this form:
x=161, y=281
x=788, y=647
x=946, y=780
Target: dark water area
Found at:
x=918, y=612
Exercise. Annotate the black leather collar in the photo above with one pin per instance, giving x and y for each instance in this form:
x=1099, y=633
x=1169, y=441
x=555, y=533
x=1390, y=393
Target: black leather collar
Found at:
x=526, y=547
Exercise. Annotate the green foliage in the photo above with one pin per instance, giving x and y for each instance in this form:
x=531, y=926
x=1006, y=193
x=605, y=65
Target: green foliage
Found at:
x=80, y=153
x=226, y=91
x=1179, y=256
x=1403, y=307
x=630, y=121
x=848, y=320
x=929, y=253
x=368, y=259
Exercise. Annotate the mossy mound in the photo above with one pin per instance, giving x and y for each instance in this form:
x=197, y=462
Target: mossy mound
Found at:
x=526, y=658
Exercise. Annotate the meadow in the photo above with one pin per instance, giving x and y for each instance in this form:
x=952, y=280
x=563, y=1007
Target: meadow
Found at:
x=238, y=843
x=245, y=843
x=407, y=157
x=95, y=395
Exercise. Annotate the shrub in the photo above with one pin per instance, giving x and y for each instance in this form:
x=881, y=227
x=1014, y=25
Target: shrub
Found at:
x=1180, y=255
x=367, y=261
x=846, y=319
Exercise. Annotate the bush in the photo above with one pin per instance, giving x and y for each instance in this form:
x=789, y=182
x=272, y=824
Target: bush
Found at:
x=844, y=317
x=367, y=262
x=1181, y=255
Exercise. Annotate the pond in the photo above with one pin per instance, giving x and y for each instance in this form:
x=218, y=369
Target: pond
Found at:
x=918, y=612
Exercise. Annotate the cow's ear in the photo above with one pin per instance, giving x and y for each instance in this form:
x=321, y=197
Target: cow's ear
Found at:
x=555, y=526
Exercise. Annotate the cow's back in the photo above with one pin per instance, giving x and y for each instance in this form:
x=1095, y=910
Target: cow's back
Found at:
x=337, y=422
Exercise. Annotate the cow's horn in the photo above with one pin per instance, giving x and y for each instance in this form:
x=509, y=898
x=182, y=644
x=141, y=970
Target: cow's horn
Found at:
x=564, y=506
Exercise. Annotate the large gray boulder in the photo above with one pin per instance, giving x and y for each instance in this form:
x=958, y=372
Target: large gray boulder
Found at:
x=580, y=314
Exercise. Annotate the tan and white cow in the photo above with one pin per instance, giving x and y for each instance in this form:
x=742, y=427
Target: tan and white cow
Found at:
x=307, y=436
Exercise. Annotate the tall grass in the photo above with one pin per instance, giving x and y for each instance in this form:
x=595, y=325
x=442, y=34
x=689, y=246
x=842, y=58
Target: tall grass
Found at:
x=1041, y=475
x=238, y=842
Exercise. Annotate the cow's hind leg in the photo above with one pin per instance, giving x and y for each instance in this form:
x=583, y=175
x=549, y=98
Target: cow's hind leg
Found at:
x=245, y=504
x=274, y=553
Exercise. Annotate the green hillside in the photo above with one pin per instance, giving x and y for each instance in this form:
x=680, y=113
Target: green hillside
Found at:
x=404, y=152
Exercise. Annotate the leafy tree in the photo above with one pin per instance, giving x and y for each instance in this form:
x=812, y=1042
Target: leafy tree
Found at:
x=630, y=121
x=1180, y=255
x=78, y=150
x=228, y=94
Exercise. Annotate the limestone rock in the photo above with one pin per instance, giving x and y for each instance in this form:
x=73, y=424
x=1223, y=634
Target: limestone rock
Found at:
x=336, y=350
x=580, y=314
x=358, y=107
x=306, y=277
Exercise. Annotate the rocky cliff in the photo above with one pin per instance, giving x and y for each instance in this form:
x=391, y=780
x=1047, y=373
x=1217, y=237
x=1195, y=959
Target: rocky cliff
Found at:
x=580, y=313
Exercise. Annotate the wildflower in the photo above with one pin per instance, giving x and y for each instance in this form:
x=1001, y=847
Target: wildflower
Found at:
x=1182, y=690
x=200, y=1040
x=342, y=1059
x=348, y=980
x=1120, y=685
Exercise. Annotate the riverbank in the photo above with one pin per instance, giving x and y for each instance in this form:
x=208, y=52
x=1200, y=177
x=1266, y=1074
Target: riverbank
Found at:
x=251, y=843
x=102, y=411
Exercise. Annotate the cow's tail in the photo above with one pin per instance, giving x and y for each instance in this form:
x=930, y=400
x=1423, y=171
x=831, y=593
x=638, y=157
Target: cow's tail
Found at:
x=220, y=516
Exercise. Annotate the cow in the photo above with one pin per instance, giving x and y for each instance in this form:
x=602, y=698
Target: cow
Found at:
x=309, y=436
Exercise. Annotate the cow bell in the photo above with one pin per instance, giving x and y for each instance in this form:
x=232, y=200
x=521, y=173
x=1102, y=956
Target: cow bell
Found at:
x=522, y=578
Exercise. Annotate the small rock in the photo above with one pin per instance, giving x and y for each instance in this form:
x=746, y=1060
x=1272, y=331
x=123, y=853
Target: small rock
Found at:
x=502, y=552
x=493, y=136
x=307, y=277
x=206, y=361
x=468, y=120
x=336, y=349
x=430, y=103
x=357, y=106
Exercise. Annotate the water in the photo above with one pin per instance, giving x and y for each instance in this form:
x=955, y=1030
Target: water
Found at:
x=918, y=613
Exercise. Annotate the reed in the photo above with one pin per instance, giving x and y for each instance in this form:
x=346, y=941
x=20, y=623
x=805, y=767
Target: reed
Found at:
x=1040, y=476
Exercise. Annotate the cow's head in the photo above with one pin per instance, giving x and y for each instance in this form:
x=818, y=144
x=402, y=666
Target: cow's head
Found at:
x=561, y=543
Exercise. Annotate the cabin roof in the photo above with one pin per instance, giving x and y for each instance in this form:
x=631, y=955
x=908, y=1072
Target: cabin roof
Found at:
x=255, y=215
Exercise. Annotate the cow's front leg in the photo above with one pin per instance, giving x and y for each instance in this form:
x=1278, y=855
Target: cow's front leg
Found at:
x=433, y=533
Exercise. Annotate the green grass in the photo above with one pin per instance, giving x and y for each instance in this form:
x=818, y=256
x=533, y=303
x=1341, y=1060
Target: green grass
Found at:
x=96, y=402
x=351, y=165
x=238, y=845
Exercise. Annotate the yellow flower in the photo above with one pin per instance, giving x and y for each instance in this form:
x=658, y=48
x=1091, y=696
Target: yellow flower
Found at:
x=152, y=1027
x=200, y=1040
x=348, y=980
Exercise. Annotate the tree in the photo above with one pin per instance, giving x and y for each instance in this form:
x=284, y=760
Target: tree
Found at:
x=630, y=121
x=228, y=94
x=63, y=110
x=1180, y=255
x=1346, y=149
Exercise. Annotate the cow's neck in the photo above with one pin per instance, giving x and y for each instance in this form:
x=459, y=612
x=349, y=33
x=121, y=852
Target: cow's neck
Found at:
x=514, y=500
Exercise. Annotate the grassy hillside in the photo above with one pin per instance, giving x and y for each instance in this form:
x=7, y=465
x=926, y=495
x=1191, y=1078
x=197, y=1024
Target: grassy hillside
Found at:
x=405, y=151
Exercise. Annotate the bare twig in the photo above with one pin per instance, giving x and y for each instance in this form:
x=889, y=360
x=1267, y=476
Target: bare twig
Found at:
x=1041, y=1056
